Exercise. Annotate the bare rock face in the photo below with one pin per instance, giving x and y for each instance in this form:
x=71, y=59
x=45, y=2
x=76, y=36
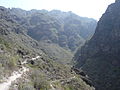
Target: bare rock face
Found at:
x=99, y=57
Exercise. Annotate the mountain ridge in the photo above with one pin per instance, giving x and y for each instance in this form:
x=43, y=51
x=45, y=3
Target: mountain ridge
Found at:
x=16, y=47
x=56, y=23
x=62, y=29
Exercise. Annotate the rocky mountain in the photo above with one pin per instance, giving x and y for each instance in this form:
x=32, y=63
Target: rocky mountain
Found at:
x=58, y=33
x=66, y=29
x=24, y=65
x=99, y=57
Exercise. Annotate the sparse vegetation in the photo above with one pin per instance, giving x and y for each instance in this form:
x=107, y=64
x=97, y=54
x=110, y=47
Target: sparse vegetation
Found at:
x=16, y=47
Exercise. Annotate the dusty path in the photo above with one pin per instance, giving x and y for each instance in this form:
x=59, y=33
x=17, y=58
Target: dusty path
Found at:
x=15, y=75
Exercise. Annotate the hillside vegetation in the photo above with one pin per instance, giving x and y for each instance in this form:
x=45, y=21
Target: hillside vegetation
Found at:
x=65, y=31
x=44, y=73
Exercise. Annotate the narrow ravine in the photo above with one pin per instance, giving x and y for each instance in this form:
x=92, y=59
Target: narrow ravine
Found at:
x=15, y=75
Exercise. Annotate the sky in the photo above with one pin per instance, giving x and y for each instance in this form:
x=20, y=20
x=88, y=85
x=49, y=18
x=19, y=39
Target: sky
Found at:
x=86, y=8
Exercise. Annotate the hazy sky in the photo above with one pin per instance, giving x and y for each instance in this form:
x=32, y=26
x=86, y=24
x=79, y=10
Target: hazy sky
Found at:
x=86, y=8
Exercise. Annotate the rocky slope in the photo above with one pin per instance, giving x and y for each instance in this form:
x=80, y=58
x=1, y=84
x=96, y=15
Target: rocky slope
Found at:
x=99, y=57
x=65, y=31
x=16, y=47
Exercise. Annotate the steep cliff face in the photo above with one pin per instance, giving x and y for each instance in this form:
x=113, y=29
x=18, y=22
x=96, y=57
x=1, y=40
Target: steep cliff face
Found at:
x=99, y=57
